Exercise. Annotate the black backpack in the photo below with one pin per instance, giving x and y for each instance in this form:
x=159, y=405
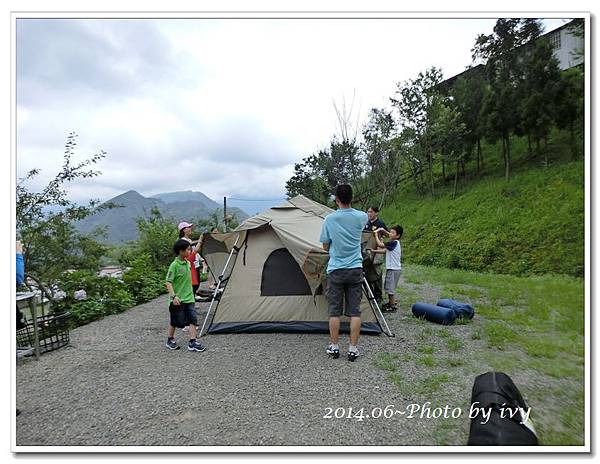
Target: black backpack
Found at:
x=495, y=392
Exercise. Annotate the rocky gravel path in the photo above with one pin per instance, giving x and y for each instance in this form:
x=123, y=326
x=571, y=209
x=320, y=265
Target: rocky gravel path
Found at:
x=117, y=384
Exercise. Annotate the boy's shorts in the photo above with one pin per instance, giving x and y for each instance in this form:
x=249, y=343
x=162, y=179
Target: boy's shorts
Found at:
x=183, y=315
x=344, y=284
x=392, y=276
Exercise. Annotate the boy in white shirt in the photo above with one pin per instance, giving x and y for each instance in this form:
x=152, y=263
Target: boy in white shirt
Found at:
x=393, y=255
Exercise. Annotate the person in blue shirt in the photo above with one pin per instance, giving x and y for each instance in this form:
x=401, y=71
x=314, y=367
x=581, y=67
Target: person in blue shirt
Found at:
x=20, y=280
x=341, y=235
x=20, y=265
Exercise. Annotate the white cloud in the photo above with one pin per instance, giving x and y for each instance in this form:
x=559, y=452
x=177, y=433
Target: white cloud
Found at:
x=221, y=106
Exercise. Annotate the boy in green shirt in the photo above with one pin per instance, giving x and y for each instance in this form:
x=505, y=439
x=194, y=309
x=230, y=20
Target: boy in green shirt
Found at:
x=181, y=297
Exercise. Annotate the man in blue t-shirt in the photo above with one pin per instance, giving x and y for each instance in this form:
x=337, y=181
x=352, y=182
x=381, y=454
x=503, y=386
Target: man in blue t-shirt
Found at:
x=340, y=236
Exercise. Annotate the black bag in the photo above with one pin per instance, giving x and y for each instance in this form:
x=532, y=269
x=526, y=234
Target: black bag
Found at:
x=494, y=391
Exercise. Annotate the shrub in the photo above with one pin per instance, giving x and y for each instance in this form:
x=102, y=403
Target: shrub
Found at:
x=85, y=311
x=104, y=295
x=143, y=282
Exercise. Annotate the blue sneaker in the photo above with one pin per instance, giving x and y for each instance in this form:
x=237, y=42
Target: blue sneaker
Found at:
x=352, y=355
x=195, y=346
x=172, y=344
x=333, y=350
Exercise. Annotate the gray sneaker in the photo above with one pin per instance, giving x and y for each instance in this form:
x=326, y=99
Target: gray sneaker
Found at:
x=172, y=344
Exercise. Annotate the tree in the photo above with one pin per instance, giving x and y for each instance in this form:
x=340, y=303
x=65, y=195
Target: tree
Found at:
x=577, y=29
x=503, y=58
x=446, y=132
x=309, y=180
x=156, y=238
x=467, y=96
x=215, y=220
x=317, y=175
x=346, y=143
x=569, y=104
x=380, y=150
x=413, y=102
x=540, y=85
x=45, y=223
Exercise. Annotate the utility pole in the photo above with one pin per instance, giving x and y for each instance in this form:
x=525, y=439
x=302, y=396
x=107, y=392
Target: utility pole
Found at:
x=225, y=214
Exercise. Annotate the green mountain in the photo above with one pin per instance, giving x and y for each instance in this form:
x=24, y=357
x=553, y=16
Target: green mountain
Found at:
x=120, y=223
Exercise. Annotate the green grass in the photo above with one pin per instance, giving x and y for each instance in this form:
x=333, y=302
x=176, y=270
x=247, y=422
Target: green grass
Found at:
x=431, y=384
x=515, y=251
x=531, y=224
x=537, y=302
x=425, y=349
x=476, y=335
x=427, y=331
x=426, y=360
x=529, y=327
x=387, y=361
x=454, y=344
x=452, y=362
x=498, y=334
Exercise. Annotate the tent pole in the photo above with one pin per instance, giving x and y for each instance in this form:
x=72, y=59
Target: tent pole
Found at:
x=214, y=298
x=375, y=307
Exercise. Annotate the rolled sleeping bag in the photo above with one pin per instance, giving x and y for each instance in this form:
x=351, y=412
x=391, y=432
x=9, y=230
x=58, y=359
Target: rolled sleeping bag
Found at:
x=460, y=309
x=432, y=313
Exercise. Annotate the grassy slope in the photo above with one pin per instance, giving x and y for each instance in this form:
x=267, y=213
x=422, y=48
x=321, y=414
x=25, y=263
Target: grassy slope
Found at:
x=532, y=224
x=531, y=328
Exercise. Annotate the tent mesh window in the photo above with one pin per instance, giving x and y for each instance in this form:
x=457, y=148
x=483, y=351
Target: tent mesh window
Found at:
x=282, y=276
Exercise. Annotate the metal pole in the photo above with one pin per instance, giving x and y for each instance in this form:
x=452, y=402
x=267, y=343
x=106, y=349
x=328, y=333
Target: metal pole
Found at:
x=214, y=298
x=225, y=214
x=375, y=306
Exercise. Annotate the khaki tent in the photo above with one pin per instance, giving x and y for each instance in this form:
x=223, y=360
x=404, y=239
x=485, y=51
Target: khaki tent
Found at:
x=272, y=274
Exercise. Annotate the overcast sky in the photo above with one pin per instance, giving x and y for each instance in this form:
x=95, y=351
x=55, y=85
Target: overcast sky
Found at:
x=225, y=107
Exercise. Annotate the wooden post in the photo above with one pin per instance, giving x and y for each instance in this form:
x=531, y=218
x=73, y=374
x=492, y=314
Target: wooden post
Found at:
x=36, y=336
x=30, y=299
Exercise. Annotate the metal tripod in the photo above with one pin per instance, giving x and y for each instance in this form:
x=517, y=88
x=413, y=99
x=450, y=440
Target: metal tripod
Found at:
x=375, y=306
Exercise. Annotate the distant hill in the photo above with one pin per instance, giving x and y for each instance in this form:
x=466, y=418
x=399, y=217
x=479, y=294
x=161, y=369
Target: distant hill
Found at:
x=254, y=206
x=188, y=195
x=121, y=224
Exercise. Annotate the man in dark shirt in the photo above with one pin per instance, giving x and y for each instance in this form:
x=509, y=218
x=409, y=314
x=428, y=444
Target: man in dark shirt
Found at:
x=374, y=222
x=372, y=265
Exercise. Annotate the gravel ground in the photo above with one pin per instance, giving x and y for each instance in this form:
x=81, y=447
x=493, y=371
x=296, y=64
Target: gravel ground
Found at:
x=117, y=384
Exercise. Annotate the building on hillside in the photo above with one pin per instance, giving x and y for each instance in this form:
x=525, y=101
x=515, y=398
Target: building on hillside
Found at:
x=111, y=271
x=568, y=48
